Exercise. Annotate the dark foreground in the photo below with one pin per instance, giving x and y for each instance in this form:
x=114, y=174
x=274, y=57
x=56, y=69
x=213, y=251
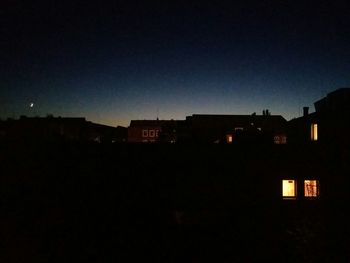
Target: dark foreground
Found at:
x=170, y=203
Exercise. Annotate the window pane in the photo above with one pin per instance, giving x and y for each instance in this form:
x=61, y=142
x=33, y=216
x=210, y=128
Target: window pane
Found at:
x=144, y=133
x=288, y=188
x=314, y=132
x=229, y=138
x=311, y=188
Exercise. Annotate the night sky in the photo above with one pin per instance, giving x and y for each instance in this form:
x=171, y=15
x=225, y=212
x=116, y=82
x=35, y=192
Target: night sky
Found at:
x=129, y=60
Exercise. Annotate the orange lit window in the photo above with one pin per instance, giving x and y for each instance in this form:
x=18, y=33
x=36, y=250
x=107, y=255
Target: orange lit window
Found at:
x=289, y=189
x=229, y=138
x=280, y=139
x=144, y=133
x=311, y=188
x=314, y=132
x=151, y=133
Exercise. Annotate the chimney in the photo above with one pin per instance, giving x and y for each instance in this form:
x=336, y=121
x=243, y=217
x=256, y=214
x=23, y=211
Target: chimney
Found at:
x=305, y=111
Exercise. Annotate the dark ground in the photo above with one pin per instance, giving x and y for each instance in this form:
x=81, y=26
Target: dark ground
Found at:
x=63, y=202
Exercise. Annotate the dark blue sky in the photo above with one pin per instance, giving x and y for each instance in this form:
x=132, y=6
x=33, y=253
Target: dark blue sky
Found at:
x=115, y=62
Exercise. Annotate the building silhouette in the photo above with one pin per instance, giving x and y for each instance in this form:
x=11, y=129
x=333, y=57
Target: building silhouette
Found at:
x=206, y=128
x=59, y=128
x=329, y=124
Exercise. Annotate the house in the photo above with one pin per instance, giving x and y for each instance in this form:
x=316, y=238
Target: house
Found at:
x=146, y=131
x=49, y=128
x=59, y=128
x=237, y=128
x=329, y=124
x=104, y=133
x=205, y=128
x=302, y=175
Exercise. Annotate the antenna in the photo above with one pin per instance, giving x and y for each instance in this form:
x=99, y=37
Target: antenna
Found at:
x=157, y=114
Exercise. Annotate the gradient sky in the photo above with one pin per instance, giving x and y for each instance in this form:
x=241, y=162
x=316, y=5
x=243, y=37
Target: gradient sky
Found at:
x=129, y=60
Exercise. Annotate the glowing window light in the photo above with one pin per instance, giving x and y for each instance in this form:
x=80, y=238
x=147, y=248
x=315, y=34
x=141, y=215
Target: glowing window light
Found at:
x=280, y=139
x=151, y=133
x=288, y=189
x=314, y=132
x=311, y=188
x=144, y=133
x=276, y=140
x=229, y=138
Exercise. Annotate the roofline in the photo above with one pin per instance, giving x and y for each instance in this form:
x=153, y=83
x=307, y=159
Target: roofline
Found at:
x=227, y=115
x=236, y=115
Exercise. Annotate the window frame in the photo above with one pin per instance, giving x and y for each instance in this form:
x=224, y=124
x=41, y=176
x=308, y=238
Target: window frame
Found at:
x=151, y=133
x=295, y=190
x=314, y=132
x=280, y=139
x=144, y=133
x=229, y=138
x=317, y=186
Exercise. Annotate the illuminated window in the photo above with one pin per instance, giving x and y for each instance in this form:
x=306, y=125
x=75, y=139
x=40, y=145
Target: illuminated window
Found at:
x=151, y=133
x=239, y=129
x=284, y=139
x=229, y=138
x=276, y=139
x=311, y=188
x=314, y=132
x=280, y=139
x=289, y=189
x=144, y=133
